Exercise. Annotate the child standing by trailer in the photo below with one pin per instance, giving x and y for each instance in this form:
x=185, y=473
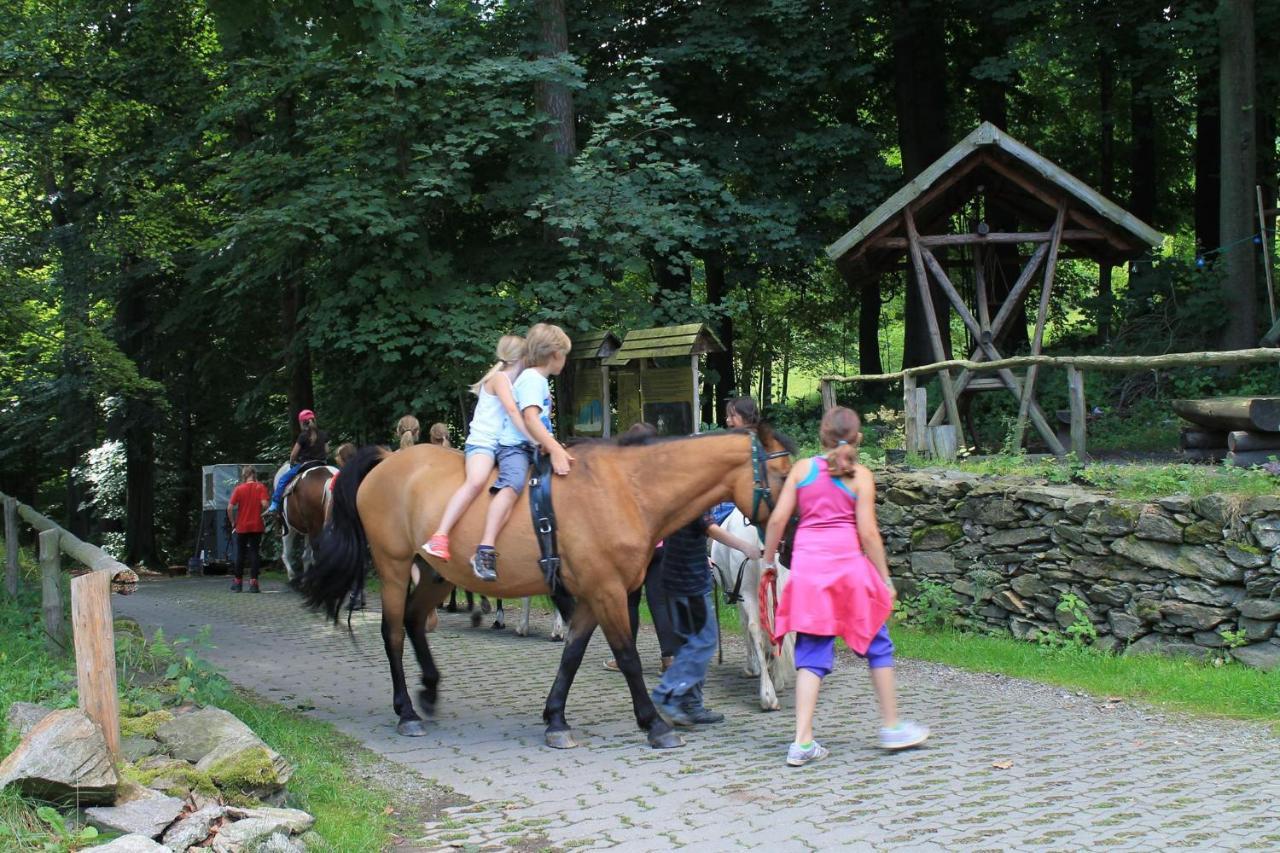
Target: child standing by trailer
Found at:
x=839, y=584
x=546, y=348
x=495, y=408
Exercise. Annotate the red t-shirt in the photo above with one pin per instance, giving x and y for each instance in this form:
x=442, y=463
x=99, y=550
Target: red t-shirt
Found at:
x=249, y=497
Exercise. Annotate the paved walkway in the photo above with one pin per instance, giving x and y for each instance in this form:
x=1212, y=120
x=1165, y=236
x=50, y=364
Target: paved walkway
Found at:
x=1012, y=765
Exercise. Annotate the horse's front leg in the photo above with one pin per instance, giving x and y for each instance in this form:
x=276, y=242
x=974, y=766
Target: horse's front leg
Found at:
x=615, y=621
x=286, y=543
x=581, y=627
x=500, y=620
x=393, y=609
x=557, y=627
x=751, y=627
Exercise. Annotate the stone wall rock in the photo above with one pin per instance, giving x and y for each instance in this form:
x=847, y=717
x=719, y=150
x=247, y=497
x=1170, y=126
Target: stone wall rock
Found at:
x=1165, y=576
x=63, y=759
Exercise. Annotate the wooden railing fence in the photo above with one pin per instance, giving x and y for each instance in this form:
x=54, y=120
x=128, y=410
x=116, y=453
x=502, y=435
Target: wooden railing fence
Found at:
x=915, y=404
x=93, y=631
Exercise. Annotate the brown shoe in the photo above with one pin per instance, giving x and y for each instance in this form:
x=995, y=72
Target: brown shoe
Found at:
x=612, y=665
x=666, y=664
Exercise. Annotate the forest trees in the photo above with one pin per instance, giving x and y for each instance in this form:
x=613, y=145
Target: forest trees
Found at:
x=217, y=212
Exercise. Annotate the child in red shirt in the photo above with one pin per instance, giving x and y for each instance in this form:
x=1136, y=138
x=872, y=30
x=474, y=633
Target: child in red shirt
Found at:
x=244, y=511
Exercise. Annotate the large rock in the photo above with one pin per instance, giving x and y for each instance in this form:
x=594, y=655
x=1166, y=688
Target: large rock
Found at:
x=136, y=747
x=889, y=515
x=63, y=759
x=1202, y=533
x=23, y=716
x=227, y=750
x=1078, y=509
x=1196, y=616
x=296, y=820
x=1184, y=560
x=244, y=835
x=1246, y=556
x=1199, y=592
x=1112, y=519
x=1111, y=595
x=1029, y=586
x=1220, y=509
x=1159, y=644
x=925, y=564
x=1016, y=536
x=1156, y=526
x=1266, y=532
x=195, y=734
x=128, y=844
x=280, y=843
x=1254, y=608
x=149, y=816
x=1264, y=656
x=1124, y=625
x=936, y=537
x=192, y=829
x=1009, y=600
x=1257, y=629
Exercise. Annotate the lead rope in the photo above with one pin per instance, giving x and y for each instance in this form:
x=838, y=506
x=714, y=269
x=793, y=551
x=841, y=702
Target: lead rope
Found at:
x=768, y=595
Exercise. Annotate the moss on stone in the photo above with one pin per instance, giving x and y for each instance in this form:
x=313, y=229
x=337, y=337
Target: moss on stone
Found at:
x=937, y=536
x=248, y=769
x=146, y=725
x=1246, y=548
x=177, y=779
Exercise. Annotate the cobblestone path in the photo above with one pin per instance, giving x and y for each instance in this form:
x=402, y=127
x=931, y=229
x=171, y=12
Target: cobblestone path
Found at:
x=1011, y=765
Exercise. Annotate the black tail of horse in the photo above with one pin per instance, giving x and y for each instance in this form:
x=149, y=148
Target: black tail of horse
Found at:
x=340, y=551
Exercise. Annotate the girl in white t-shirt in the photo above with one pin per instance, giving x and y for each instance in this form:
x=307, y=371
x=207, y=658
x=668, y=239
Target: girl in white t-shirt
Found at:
x=495, y=406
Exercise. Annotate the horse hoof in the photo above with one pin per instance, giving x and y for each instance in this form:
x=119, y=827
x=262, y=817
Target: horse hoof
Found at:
x=485, y=608
x=561, y=740
x=665, y=740
x=522, y=632
x=746, y=673
x=451, y=608
x=557, y=638
x=411, y=728
x=499, y=626
x=475, y=619
x=764, y=706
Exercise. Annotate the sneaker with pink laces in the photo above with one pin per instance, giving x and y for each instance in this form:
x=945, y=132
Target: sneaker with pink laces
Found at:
x=438, y=546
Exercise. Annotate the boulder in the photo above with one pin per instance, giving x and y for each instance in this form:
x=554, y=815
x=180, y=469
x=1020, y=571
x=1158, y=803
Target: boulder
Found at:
x=998, y=513
x=1256, y=608
x=195, y=734
x=1176, y=503
x=1257, y=629
x=1209, y=639
x=1266, y=532
x=1264, y=656
x=1111, y=595
x=889, y=515
x=1219, y=509
x=1125, y=626
x=192, y=829
x=932, y=563
x=936, y=537
x=149, y=816
x=245, y=835
x=1259, y=585
x=1199, y=592
x=1184, y=560
x=62, y=759
x=1112, y=519
x=1261, y=505
x=1158, y=527
x=136, y=747
x=280, y=843
x=128, y=844
x=1196, y=616
x=254, y=769
x=296, y=820
x=23, y=716
x=1159, y=644
x=1202, y=533
x=1029, y=586
x=1078, y=509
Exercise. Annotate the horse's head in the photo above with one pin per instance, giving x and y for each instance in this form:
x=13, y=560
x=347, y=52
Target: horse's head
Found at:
x=770, y=462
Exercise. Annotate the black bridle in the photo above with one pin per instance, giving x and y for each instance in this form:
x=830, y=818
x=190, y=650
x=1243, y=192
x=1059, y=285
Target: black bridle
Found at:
x=761, y=492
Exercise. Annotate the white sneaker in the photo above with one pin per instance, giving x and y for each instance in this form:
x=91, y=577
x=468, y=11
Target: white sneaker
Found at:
x=798, y=755
x=904, y=735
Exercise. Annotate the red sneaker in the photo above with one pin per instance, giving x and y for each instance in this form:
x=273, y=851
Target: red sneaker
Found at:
x=253, y=585
x=438, y=546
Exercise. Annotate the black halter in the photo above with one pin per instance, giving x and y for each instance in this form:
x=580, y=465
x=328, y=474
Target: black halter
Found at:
x=761, y=491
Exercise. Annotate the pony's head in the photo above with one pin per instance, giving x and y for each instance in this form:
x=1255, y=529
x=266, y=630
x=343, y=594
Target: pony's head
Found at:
x=757, y=489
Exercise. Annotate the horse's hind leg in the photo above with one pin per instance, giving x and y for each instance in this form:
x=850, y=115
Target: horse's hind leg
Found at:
x=394, y=601
x=522, y=627
x=423, y=602
x=581, y=627
x=615, y=621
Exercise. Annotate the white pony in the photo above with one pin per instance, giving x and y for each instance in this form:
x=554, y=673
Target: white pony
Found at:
x=774, y=672
x=557, y=627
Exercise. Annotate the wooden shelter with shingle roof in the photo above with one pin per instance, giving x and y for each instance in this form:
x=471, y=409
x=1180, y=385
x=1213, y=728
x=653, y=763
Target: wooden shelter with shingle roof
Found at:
x=651, y=384
x=1053, y=209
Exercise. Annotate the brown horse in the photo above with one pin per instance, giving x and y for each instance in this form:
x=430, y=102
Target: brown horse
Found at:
x=304, y=513
x=612, y=508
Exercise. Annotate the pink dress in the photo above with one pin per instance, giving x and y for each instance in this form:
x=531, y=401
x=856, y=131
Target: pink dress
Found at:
x=833, y=589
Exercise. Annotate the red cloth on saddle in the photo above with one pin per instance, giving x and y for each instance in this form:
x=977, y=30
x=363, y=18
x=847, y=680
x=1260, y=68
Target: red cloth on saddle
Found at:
x=248, y=498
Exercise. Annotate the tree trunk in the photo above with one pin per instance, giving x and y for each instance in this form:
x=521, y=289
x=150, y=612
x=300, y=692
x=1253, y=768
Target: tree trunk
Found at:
x=1208, y=157
x=1142, y=161
x=553, y=98
x=766, y=378
x=869, y=326
x=301, y=394
x=188, y=473
x=1106, y=176
x=1239, y=162
x=720, y=381
x=135, y=336
x=920, y=88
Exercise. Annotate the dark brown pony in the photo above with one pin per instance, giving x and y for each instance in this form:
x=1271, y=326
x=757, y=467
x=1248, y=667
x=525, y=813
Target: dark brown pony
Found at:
x=304, y=515
x=612, y=508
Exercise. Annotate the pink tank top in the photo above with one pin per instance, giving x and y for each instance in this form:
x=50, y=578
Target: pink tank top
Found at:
x=827, y=503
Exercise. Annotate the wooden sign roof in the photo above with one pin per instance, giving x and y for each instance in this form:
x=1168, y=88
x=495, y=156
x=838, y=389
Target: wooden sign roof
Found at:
x=595, y=344
x=990, y=162
x=664, y=342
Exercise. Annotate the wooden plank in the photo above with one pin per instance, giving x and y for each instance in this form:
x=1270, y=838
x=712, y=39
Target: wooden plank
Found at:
x=1266, y=255
x=1079, y=414
x=11, y=546
x=1200, y=439
x=1205, y=454
x=943, y=442
x=1251, y=414
x=1249, y=458
x=910, y=425
x=55, y=628
x=932, y=241
x=1272, y=337
x=82, y=552
x=1239, y=440
x=931, y=318
x=1037, y=340
x=697, y=397
x=95, y=644
x=606, y=428
x=980, y=290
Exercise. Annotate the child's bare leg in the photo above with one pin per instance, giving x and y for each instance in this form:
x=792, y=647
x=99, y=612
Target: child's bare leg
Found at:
x=479, y=467
x=886, y=694
x=499, y=511
x=807, y=686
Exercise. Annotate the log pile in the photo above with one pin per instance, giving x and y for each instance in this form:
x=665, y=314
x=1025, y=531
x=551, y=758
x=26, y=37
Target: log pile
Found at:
x=1241, y=431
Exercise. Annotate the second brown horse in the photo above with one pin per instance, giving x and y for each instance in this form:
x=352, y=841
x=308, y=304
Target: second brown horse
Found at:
x=612, y=508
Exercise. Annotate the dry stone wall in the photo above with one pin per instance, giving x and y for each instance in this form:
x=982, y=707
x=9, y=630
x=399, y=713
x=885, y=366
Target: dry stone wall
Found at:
x=1170, y=575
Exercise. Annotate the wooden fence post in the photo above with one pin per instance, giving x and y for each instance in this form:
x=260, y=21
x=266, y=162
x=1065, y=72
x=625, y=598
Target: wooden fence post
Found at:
x=11, y=545
x=911, y=424
x=95, y=642
x=827, y=389
x=1079, y=430
x=55, y=628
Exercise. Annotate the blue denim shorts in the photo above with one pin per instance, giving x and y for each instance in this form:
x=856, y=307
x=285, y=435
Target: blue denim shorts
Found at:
x=469, y=449
x=513, y=467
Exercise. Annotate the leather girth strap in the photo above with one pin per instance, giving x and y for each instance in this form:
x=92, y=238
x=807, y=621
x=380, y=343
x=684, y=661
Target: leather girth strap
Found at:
x=544, y=520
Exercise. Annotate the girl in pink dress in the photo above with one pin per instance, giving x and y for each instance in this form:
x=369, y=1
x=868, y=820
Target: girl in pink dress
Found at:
x=839, y=584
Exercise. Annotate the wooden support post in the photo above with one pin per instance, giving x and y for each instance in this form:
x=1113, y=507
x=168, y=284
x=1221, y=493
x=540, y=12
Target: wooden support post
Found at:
x=1075, y=394
x=1266, y=255
x=931, y=317
x=11, y=545
x=980, y=289
x=606, y=428
x=1037, y=340
x=827, y=390
x=55, y=628
x=95, y=643
x=911, y=426
x=697, y=396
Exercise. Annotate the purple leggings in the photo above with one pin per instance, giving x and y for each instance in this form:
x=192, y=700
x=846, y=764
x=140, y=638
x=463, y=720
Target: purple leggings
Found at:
x=818, y=654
